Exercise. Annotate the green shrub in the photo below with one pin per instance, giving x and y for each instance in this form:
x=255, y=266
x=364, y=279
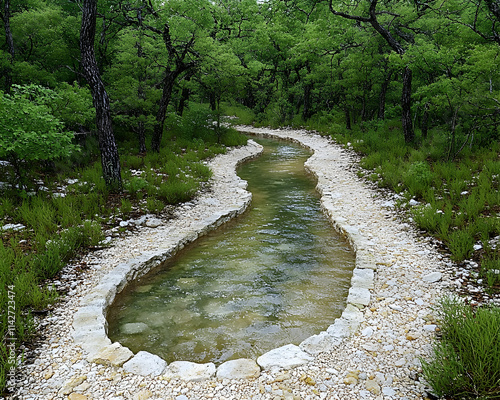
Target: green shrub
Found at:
x=461, y=244
x=466, y=361
x=154, y=205
x=418, y=178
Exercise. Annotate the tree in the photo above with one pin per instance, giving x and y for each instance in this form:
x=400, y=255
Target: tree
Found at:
x=396, y=45
x=5, y=15
x=109, y=152
x=29, y=132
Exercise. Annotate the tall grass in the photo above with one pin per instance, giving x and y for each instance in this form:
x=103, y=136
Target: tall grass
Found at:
x=60, y=228
x=466, y=360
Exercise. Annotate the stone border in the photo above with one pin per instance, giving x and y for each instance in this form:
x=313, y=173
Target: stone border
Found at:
x=90, y=325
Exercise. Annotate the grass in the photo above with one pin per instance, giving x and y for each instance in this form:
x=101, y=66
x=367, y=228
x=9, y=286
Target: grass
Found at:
x=61, y=228
x=466, y=360
x=459, y=202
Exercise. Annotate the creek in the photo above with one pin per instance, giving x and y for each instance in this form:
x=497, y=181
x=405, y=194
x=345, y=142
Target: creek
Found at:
x=277, y=274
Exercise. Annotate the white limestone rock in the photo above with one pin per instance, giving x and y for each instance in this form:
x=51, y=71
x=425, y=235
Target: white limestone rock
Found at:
x=286, y=357
x=189, y=371
x=320, y=343
x=363, y=278
x=358, y=296
x=153, y=222
x=242, y=368
x=433, y=277
x=144, y=363
x=114, y=355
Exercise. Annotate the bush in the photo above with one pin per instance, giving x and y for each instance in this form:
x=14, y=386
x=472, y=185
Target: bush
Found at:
x=466, y=361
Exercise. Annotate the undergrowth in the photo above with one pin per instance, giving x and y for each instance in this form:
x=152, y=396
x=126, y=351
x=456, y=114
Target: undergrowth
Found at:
x=65, y=213
x=466, y=360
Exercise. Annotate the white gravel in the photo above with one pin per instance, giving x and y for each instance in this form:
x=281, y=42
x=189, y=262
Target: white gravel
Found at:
x=379, y=361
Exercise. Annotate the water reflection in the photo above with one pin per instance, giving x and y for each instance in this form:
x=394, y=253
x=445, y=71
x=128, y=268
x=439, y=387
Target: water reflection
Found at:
x=276, y=275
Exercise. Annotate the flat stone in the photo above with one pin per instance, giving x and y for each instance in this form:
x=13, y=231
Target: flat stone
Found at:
x=286, y=357
x=114, y=355
x=242, y=368
x=359, y=296
x=144, y=363
x=189, y=371
x=432, y=277
x=320, y=343
x=373, y=387
x=363, y=278
x=71, y=383
x=153, y=222
x=77, y=396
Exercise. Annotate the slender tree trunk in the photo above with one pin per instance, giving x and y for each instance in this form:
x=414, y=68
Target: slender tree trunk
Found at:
x=347, y=118
x=307, y=111
x=425, y=121
x=109, y=152
x=168, y=84
x=383, y=95
x=408, y=132
x=141, y=131
x=5, y=16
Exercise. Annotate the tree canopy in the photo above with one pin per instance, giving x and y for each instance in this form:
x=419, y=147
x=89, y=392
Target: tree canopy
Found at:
x=432, y=65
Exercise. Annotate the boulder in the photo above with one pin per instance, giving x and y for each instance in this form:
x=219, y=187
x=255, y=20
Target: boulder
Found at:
x=190, y=371
x=286, y=357
x=242, y=368
x=144, y=363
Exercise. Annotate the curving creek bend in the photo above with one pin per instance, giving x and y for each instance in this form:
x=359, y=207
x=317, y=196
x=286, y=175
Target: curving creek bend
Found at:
x=276, y=275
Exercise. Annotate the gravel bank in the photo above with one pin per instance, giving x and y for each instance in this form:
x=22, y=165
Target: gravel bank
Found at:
x=380, y=360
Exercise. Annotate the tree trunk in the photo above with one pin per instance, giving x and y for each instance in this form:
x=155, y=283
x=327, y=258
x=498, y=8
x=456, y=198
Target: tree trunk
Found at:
x=141, y=130
x=5, y=16
x=347, y=118
x=109, y=152
x=168, y=84
x=383, y=95
x=425, y=121
x=307, y=111
x=408, y=132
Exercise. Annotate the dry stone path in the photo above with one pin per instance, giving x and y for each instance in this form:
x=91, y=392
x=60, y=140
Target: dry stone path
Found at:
x=371, y=352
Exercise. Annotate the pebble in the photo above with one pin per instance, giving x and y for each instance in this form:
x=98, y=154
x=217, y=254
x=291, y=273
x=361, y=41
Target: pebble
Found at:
x=395, y=251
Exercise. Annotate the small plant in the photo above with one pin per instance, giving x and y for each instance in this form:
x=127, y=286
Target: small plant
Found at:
x=418, y=178
x=154, y=206
x=466, y=361
x=126, y=206
x=490, y=269
x=461, y=244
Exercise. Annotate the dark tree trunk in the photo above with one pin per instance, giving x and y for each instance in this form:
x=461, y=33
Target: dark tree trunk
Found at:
x=168, y=85
x=183, y=100
x=5, y=16
x=383, y=95
x=408, y=132
x=307, y=111
x=141, y=131
x=109, y=152
x=347, y=118
x=425, y=121
x=212, y=101
x=185, y=94
x=141, y=136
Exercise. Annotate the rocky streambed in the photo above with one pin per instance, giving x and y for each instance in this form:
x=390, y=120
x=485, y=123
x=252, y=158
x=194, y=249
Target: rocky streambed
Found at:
x=373, y=351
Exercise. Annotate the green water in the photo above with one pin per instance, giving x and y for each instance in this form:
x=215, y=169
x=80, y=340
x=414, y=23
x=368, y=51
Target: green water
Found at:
x=276, y=275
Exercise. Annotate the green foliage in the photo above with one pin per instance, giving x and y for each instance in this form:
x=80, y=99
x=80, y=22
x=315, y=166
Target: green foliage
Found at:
x=466, y=360
x=29, y=130
x=418, y=178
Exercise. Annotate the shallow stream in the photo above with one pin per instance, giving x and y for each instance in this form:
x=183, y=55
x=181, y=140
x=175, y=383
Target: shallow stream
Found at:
x=276, y=275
